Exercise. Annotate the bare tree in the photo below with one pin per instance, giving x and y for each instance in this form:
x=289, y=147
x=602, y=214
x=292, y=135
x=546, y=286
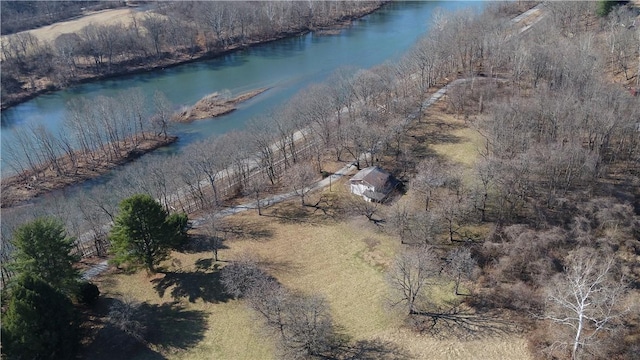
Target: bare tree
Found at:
x=455, y=211
x=215, y=233
x=400, y=220
x=240, y=278
x=431, y=175
x=302, y=323
x=413, y=270
x=309, y=329
x=163, y=112
x=424, y=227
x=585, y=300
x=256, y=185
x=156, y=29
x=262, y=139
x=125, y=315
x=360, y=206
x=302, y=176
x=460, y=265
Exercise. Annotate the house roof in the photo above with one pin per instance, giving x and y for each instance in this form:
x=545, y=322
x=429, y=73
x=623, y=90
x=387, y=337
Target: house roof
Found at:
x=378, y=196
x=373, y=176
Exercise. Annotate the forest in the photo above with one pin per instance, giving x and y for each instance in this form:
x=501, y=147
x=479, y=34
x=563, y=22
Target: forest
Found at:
x=521, y=198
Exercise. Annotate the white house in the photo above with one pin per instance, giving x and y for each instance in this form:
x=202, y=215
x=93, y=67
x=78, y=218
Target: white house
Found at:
x=373, y=184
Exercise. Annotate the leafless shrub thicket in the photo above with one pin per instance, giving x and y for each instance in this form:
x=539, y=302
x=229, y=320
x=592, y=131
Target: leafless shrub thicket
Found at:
x=561, y=155
x=302, y=323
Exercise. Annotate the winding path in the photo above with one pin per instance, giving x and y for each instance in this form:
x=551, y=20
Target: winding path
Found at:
x=346, y=170
x=275, y=199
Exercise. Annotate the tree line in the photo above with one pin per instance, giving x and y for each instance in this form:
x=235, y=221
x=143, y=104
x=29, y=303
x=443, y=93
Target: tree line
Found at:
x=94, y=132
x=560, y=158
x=175, y=32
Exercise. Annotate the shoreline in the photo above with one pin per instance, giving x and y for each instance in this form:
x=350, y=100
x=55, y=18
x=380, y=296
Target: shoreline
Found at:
x=174, y=59
x=29, y=184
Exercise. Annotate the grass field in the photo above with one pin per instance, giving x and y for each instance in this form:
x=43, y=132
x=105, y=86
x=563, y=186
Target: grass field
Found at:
x=340, y=257
x=463, y=144
x=342, y=260
x=104, y=17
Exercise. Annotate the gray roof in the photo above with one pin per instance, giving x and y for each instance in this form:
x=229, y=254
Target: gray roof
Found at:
x=373, y=176
x=377, y=196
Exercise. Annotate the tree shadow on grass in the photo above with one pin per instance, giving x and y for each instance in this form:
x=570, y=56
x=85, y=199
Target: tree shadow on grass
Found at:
x=169, y=326
x=461, y=325
x=113, y=343
x=246, y=230
x=201, y=243
x=317, y=210
x=192, y=285
x=372, y=350
x=289, y=213
x=205, y=264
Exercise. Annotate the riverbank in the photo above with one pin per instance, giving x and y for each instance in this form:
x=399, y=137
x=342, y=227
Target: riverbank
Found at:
x=31, y=88
x=214, y=105
x=30, y=184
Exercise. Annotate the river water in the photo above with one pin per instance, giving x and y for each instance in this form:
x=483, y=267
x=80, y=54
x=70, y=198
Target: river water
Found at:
x=285, y=66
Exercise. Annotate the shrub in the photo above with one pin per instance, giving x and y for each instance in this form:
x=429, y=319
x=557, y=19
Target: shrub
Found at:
x=87, y=293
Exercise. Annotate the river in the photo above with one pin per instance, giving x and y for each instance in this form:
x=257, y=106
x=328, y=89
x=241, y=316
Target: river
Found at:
x=285, y=66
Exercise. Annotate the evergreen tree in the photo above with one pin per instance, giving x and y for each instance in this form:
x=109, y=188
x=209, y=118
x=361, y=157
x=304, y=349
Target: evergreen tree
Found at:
x=179, y=222
x=142, y=235
x=43, y=250
x=39, y=322
x=605, y=7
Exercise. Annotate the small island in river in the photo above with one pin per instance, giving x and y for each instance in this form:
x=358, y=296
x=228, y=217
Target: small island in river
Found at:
x=213, y=105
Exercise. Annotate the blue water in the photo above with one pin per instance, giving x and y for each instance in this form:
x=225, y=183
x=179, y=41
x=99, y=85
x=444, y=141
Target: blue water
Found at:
x=285, y=66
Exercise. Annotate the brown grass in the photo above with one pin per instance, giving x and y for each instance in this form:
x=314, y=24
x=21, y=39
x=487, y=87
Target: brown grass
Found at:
x=343, y=260
x=104, y=17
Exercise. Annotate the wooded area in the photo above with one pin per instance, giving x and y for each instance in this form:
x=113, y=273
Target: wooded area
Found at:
x=538, y=228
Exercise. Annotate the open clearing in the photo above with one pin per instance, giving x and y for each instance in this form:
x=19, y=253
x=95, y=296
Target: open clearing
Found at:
x=104, y=17
x=342, y=260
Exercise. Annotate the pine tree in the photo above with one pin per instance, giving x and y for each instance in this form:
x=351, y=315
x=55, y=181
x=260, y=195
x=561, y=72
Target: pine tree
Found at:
x=39, y=323
x=141, y=234
x=605, y=7
x=44, y=251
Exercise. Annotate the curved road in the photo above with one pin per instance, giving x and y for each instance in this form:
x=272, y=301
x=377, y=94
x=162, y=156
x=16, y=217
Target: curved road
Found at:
x=346, y=170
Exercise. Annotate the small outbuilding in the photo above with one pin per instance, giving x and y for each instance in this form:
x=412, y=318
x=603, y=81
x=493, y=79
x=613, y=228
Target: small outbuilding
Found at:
x=373, y=184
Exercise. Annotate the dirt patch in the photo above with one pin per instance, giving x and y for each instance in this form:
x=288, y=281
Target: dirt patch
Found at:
x=32, y=183
x=214, y=105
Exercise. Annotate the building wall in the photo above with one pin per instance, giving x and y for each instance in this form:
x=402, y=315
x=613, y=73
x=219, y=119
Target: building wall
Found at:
x=359, y=189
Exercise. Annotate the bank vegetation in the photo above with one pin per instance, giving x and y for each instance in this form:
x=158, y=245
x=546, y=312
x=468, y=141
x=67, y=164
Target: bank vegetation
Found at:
x=522, y=188
x=97, y=135
x=174, y=33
